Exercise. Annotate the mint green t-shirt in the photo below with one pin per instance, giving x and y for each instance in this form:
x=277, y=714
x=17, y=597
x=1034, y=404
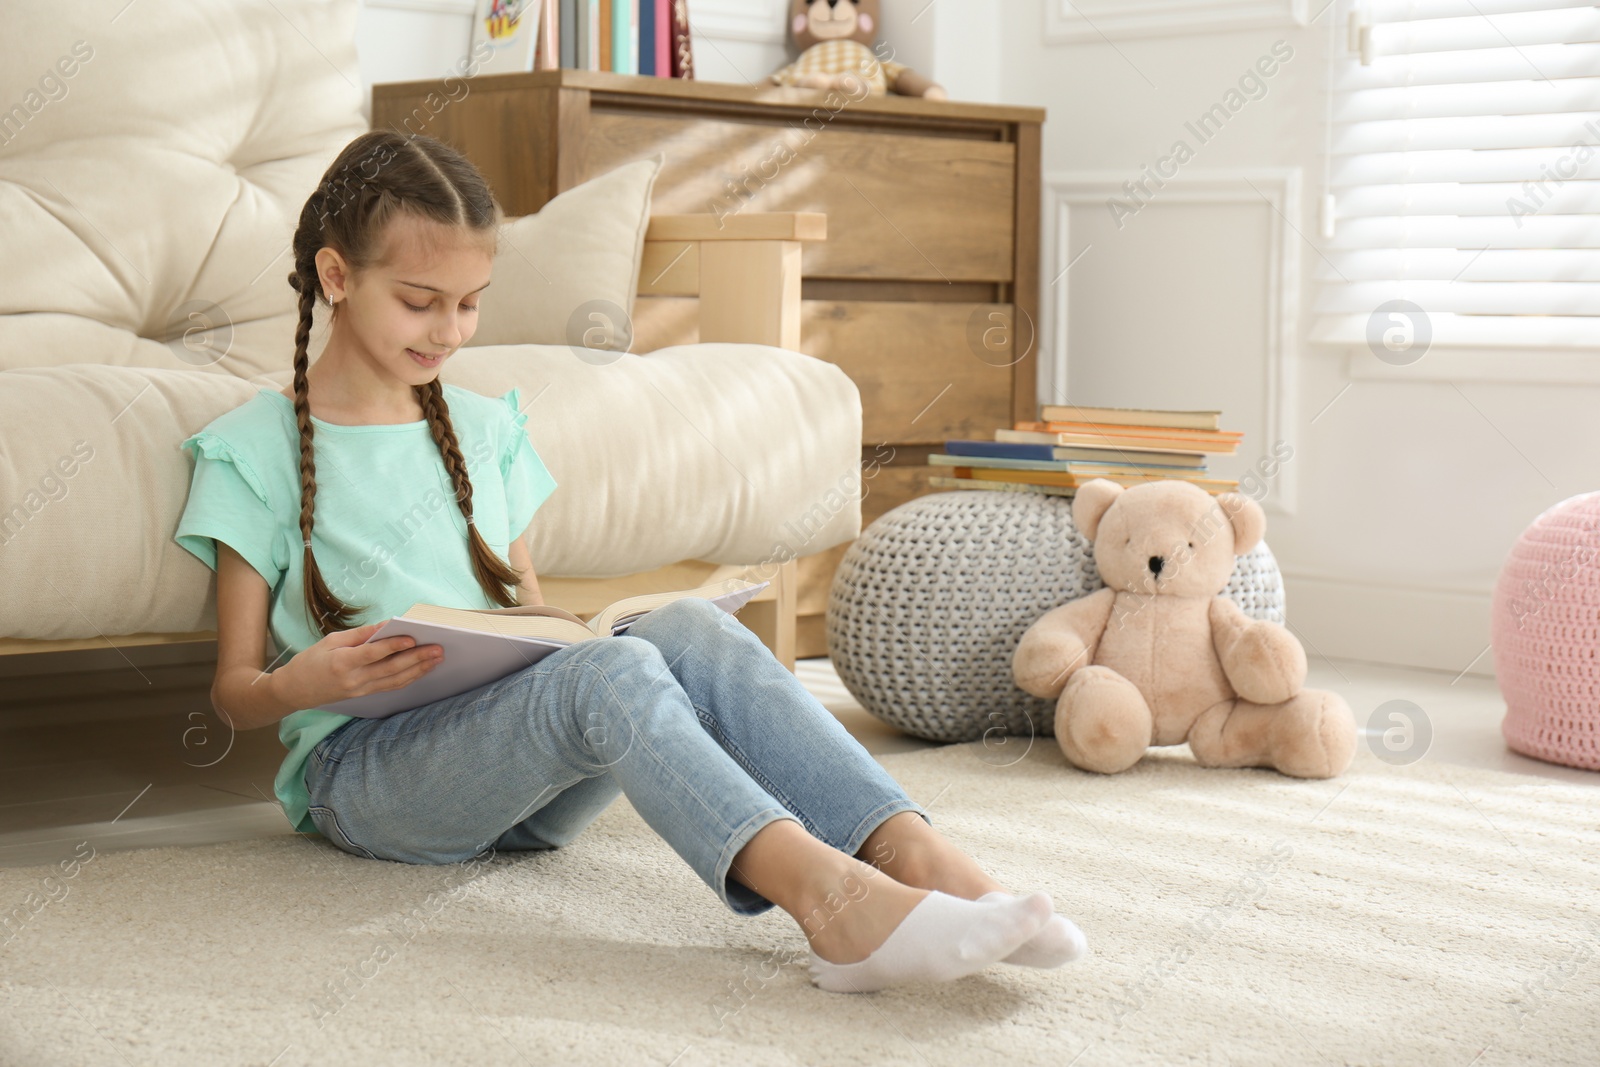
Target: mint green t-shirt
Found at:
x=387, y=534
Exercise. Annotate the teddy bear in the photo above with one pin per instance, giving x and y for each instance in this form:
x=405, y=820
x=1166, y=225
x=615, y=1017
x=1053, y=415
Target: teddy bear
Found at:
x=835, y=40
x=1160, y=656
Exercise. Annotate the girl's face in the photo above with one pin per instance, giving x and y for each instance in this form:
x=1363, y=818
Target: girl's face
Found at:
x=407, y=313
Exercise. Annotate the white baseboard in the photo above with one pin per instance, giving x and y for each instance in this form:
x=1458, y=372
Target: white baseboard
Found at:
x=1428, y=628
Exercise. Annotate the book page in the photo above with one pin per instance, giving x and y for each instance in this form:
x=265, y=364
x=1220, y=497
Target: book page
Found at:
x=530, y=620
x=732, y=594
x=547, y=620
x=533, y=609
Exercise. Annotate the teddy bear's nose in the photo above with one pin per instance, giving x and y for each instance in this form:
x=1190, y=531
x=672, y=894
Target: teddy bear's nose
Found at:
x=1156, y=563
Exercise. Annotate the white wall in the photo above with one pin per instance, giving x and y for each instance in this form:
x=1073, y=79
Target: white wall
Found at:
x=407, y=40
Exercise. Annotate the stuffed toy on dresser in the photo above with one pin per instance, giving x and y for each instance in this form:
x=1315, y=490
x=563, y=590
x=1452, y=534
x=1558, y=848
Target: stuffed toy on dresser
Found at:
x=1160, y=657
x=835, y=39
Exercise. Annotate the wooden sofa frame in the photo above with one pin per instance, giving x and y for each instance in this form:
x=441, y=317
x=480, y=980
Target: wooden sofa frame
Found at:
x=745, y=269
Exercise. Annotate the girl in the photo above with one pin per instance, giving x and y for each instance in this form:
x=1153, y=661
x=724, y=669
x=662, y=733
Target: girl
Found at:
x=396, y=488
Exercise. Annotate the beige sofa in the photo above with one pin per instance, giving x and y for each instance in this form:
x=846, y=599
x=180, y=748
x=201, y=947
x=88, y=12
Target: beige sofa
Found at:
x=148, y=188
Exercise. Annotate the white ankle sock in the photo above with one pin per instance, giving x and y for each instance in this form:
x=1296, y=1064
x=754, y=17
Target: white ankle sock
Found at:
x=1058, y=941
x=942, y=938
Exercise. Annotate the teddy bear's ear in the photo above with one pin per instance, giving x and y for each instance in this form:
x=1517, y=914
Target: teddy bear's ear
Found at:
x=1249, y=521
x=1090, y=503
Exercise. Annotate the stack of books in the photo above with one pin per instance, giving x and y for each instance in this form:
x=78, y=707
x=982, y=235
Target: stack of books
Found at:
x=649, y=37
x=1070, y=445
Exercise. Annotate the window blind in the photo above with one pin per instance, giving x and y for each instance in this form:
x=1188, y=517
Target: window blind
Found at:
x=1464, y=172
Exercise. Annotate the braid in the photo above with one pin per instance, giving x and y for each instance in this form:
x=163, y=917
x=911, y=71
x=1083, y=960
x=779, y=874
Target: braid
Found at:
x=328, y=613
x=493, y=573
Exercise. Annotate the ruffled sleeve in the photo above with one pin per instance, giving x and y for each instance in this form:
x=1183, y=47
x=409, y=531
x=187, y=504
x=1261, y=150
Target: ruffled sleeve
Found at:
x=228, y=502
x=528, y=481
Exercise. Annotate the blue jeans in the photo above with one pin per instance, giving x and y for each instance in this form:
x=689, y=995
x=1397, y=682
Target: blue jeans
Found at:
x=687, y=713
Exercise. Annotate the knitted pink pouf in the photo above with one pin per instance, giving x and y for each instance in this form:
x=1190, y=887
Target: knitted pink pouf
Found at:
x=1546, y=634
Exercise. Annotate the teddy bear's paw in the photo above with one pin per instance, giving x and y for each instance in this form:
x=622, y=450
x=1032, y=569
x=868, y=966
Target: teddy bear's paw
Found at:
x=1266, y=664
x=1102, y=722
x=1316, y=736
x=851, y=84
x=1046, y=660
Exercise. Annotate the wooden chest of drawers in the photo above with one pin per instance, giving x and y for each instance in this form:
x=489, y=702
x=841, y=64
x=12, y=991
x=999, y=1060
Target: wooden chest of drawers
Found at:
x=926, y=291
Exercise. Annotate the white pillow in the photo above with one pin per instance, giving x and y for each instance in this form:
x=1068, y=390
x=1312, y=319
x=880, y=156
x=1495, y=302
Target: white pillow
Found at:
x=568, y=275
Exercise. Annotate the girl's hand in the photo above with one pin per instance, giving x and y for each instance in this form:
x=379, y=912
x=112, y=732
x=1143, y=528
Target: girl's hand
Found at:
x=340, y=666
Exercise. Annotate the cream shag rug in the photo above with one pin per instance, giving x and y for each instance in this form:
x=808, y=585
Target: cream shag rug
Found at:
x=1419, y=915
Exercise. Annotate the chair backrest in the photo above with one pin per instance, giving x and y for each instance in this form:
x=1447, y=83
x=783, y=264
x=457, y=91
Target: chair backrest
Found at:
x=153, y=162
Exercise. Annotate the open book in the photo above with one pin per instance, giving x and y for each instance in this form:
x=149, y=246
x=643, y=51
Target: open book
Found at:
x=483, y=645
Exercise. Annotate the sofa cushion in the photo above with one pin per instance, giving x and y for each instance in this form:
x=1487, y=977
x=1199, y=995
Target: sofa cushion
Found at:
x=153, y=163
x=737, y=454
x=567, y=275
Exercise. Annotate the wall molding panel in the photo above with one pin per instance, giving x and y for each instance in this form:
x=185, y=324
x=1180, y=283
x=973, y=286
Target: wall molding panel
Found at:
x=1375, y=622
x=1096, y=21
x=1276, y=189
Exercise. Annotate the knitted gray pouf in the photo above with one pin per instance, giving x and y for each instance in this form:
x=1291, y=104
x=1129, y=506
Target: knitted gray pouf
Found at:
x=929, y=603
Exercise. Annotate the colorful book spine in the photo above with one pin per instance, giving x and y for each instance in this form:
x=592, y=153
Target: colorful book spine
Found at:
x=1028, y=450
x=568, y=21
x=956, y=459
x=1000, y=450
x=621, y=15
x=607, y=16
x=647, y=37
x=635, y=59
x=663, y=38
x=549, y=36
x=594, y=34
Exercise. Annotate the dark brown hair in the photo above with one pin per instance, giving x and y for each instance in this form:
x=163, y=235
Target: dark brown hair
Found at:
x=377, y=176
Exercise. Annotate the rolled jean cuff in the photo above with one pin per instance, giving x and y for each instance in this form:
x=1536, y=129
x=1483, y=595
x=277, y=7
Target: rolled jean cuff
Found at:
x=876, y=818
x=740, y=898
